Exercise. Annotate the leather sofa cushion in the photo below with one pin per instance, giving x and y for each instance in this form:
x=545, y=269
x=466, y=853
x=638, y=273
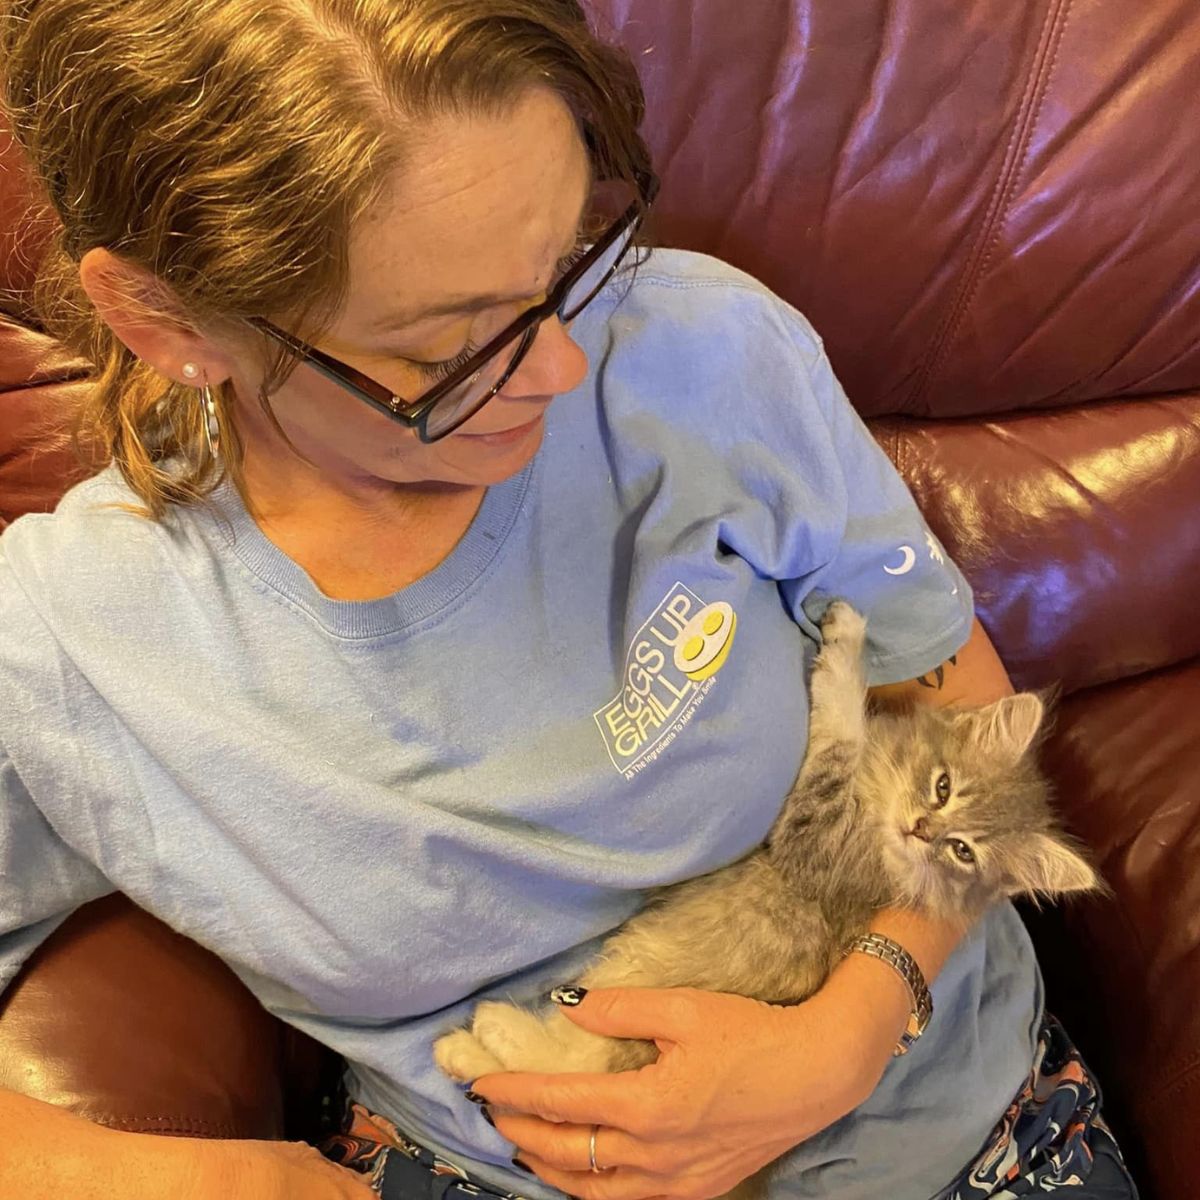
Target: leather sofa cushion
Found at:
x=1079, y=530
x=129, y=1024
x=981, y=206
x=1124, y=974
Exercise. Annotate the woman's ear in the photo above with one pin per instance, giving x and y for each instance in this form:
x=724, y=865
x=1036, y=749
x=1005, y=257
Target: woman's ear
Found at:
x=143, y=313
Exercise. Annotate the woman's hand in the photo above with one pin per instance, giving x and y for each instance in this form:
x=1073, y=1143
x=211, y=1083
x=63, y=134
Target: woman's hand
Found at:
x=737, y=1084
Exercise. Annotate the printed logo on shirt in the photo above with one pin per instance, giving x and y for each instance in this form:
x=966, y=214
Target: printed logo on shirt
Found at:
x=669, y=669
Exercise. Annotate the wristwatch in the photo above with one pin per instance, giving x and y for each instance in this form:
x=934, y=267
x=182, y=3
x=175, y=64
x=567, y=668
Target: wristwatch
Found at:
x=879, y=946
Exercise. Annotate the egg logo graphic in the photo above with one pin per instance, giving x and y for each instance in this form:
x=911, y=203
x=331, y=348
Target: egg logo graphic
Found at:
x=704, y=642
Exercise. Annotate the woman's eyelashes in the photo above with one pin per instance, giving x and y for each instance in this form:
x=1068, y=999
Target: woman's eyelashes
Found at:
x=447, y=367
x=444, y=368
x=569, y=260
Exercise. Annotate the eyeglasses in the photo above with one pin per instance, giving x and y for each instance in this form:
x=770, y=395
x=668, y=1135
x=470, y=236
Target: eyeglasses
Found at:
x=441, y=409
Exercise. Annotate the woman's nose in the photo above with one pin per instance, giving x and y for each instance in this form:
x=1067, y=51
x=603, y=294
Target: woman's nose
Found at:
x=552, y=365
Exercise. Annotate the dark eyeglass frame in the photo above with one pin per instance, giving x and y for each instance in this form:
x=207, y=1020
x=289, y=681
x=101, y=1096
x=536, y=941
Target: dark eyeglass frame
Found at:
x=416, y=413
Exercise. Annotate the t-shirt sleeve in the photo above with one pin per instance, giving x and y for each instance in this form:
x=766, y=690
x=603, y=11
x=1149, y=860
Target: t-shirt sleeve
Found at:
x=838, y=521
x=888, y=563
x=42, y=879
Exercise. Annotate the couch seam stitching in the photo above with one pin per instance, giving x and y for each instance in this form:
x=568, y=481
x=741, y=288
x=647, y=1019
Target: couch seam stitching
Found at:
x=1016, y=156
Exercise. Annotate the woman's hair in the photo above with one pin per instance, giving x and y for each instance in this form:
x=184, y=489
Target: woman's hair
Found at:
x=227, y=148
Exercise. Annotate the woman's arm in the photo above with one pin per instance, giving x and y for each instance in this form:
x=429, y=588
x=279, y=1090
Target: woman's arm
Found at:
x=48, y=1153
x=975, y=675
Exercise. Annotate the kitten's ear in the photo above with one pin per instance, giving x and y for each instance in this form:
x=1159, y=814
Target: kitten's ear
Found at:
x=1048, y=867
x=1006, y=727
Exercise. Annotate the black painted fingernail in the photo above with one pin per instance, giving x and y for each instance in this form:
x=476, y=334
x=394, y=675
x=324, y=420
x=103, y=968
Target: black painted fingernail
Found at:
x=568, y=996
x=487, y=1116
x=521, y=1166
x=474, y=1097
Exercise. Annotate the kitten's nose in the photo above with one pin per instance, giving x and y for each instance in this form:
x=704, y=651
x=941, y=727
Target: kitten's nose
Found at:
x=921, y=830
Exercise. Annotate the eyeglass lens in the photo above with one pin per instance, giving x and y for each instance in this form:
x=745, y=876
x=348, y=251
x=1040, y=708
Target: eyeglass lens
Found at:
x=585, y=289
x=460, y=404
x=464, y=401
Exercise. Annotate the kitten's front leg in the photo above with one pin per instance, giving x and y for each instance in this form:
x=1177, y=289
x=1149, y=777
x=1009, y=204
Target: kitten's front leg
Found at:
x=839, y=683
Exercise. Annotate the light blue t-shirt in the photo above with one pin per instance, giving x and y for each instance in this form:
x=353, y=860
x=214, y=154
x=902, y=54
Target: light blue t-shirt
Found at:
x=381, y=812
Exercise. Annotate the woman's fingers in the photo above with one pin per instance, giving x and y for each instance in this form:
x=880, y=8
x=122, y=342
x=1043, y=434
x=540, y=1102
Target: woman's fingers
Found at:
x=566, y=1146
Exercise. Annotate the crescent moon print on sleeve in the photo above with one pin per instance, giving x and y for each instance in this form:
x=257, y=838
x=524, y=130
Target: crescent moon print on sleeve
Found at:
x=909, y=558
x=910, y=561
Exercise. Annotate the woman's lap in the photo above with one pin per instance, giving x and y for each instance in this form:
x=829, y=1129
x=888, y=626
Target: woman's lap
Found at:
x=1109, y=1179
x=1052, y=1138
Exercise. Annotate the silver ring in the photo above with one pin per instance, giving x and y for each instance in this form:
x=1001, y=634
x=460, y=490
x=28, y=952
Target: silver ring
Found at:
x=592, y=1150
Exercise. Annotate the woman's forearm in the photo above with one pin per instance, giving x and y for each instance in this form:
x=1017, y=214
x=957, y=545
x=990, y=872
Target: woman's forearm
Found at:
x=863, y=1006
x=48, y=1153
x=867, y=1002
x=929, y=940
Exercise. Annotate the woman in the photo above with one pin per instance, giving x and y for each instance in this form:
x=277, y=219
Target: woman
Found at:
x=343, y=667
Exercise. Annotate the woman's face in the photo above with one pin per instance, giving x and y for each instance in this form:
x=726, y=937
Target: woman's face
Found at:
x=469, y=236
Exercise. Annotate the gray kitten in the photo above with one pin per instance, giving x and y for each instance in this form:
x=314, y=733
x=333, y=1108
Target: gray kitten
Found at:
x=943, y=811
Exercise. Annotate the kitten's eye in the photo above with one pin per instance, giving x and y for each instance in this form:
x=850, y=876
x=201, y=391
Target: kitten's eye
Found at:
x=962, y=851
x=942, y=788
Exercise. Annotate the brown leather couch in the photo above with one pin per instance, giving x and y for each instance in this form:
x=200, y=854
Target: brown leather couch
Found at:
x=991, y=211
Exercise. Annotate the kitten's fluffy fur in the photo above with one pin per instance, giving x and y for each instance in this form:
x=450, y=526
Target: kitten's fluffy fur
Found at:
x=938, y=810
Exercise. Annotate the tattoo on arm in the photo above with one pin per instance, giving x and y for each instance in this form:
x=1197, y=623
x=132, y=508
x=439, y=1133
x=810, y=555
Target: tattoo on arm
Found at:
x=939, y=675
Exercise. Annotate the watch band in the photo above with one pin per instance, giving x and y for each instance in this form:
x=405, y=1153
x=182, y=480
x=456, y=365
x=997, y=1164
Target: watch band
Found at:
x=882, y=947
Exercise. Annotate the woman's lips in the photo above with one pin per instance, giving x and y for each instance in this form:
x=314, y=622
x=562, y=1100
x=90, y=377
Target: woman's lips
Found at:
x=514, y=433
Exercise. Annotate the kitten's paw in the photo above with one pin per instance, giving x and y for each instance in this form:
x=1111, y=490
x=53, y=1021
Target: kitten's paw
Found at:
x=843, y=624
x=460, y=1056
x=518, y=1039
x=838, y=678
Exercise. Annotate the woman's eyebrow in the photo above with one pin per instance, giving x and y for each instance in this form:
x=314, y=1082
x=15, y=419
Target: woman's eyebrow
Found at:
x=464, y=303
x=452, y=305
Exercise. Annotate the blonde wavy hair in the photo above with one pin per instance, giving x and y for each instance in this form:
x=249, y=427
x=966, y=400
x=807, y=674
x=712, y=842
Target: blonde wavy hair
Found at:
x=228, y=147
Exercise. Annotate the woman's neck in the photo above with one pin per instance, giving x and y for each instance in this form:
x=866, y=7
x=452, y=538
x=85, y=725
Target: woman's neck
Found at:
x=359, y=538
